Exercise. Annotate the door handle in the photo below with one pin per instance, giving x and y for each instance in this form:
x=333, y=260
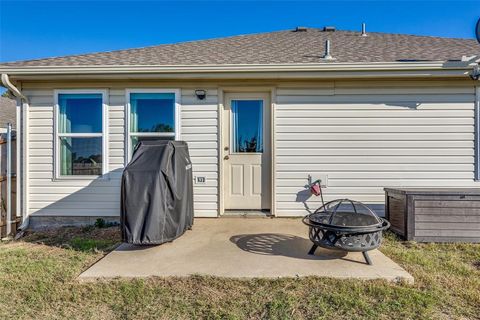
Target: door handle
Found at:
x=226, y=158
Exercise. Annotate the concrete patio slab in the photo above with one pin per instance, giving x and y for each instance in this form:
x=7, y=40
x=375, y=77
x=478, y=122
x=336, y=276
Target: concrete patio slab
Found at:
x=243, y=248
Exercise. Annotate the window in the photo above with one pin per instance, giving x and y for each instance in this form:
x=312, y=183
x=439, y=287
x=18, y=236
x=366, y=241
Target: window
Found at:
x=247, y=126
x=153, y=115
x=79, y=135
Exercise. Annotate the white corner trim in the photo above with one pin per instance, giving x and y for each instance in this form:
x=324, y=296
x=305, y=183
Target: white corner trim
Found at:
x=273, y=103
x=25, y=110
x=220, y=141
x=477, y=132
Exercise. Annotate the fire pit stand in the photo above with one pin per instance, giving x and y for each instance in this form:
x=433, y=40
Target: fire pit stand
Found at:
x=347, y=225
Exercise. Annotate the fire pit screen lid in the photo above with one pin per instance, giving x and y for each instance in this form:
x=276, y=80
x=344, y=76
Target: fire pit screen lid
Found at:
x=345, y=213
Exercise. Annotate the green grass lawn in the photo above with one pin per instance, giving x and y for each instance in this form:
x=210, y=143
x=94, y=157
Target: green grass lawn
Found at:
x=37, y=280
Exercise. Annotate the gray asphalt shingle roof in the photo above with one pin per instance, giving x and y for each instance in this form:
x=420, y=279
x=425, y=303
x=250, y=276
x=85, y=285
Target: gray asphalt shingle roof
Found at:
x=281, y=47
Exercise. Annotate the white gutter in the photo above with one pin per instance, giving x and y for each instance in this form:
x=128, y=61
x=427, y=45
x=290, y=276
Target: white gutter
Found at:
x=309, y=67
x=7, y=84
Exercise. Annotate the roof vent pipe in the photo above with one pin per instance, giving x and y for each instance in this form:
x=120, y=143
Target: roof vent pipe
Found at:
x=327, y=55
x=364, y=30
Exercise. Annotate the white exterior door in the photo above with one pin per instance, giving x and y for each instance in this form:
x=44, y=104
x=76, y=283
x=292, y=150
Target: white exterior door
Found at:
x=246, y=151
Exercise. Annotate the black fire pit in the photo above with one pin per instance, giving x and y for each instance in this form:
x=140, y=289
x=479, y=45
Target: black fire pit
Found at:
x=347, y=225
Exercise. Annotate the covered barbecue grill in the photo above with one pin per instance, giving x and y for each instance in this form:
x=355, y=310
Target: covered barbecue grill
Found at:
x=157, y=193
x=347, y=225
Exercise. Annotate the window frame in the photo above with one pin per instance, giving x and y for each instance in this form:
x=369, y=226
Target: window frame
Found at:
x=57, y=135
x=231, y=126
x=128, y=134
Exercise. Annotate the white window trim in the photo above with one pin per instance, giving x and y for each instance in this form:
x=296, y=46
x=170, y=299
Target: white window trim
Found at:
x=176, y=134
x=241, y=98
x=103, y=134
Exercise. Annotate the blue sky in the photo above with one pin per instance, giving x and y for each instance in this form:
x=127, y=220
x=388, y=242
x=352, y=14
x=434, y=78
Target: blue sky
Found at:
x=39, y=29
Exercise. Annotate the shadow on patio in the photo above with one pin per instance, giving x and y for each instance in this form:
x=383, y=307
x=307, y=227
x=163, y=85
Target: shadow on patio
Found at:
x=278, y=244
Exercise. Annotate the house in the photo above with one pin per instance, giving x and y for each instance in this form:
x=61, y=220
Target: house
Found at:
x=8, y=113
x=261, y=113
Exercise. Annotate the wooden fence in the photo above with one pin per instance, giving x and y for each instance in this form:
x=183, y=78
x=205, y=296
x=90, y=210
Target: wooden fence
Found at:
x=5, y=219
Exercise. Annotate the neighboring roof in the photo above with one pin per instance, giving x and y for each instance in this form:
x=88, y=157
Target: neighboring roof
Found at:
x=7, y=112
x=281, y=47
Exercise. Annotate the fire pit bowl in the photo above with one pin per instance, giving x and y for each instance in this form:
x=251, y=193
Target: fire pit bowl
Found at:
x=347, y=225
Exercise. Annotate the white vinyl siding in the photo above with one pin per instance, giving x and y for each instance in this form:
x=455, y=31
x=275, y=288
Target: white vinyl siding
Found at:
x=365, y=137
x=70, y=197
x=199, y=127
x=116, y=134
x=101, y=197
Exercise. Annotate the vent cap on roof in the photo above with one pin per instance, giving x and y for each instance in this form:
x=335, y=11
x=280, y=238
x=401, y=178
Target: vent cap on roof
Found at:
x=329, y=29
x=300, y=29
x=364, y=30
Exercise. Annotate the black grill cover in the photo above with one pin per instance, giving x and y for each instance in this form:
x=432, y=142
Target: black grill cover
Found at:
x=157, y=193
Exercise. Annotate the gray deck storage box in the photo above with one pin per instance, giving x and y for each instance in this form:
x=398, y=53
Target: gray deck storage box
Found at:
x=157, y=193
x=434, y=214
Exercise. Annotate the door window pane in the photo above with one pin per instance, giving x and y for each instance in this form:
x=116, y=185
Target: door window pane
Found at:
x=247, y=125
x=80, y=156
x=152, y=112
x=80, y=113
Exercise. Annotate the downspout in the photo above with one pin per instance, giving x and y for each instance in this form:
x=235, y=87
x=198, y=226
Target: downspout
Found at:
x=7, y=84
x=23, y=99
x=476, y=77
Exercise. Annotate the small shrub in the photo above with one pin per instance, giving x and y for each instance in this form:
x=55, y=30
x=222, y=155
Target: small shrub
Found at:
x=100, y=223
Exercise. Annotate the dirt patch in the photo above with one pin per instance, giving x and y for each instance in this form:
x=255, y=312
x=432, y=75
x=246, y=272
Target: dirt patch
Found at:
x=476, y=264
x=83, y=239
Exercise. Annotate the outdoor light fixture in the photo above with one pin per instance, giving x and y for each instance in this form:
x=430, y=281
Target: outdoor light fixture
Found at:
x=201, y=94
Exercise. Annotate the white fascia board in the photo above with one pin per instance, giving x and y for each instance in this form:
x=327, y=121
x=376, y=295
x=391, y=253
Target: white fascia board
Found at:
x=273, y=71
